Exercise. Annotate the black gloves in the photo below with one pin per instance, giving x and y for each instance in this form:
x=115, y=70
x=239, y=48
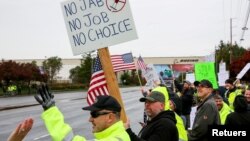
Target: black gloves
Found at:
x=47, y=100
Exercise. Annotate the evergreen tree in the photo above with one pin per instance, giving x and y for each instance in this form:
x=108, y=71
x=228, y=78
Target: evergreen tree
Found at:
x=223, y=53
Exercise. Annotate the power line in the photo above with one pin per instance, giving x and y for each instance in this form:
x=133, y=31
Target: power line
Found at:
x=238, y=14
x=244, y=28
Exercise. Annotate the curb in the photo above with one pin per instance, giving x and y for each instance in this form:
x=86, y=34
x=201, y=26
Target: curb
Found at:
x=9, y=107
x=16, y=106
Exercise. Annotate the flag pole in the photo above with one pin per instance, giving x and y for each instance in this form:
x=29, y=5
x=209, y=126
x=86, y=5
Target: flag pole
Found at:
x=144, y=113
x=110, y=77
x=137, y=71
x=173, y=78
x=138, y=77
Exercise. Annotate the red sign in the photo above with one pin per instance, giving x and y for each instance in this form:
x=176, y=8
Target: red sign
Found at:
x=183, y=67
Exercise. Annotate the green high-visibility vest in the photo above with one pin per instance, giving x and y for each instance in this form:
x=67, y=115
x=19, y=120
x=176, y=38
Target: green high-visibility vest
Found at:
x=181, y=128
x=61, y=131
x=232, y=96
x=224, y=111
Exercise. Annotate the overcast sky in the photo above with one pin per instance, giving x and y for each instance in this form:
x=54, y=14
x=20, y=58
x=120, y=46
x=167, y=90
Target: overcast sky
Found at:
x=35, y=29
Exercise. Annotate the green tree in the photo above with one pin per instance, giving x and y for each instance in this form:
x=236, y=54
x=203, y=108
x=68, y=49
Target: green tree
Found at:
x=52, y=66
x=75, y=74
x=82, y=73
x=223, y=53
x=134, y=78
x=125, y=78
x=86, y=69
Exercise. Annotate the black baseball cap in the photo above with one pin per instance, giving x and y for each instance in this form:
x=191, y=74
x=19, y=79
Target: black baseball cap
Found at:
x=229, y=81
x=154, y=96
x=196, y=83
x=206, y=83
x=104, y=103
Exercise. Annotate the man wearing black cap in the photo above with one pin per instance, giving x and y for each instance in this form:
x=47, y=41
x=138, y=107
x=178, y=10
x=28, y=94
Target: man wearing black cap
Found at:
x=105, y=119
x=207, y=113
x=161, y=125
x=231, y=92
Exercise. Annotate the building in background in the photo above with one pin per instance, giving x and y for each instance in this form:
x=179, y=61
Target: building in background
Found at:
x=179, y=64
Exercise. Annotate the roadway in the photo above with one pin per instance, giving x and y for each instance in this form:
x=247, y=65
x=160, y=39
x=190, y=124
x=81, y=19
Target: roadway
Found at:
x=13, y=110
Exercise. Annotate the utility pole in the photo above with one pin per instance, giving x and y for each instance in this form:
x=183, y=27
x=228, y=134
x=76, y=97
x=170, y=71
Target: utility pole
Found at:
x=231, y=44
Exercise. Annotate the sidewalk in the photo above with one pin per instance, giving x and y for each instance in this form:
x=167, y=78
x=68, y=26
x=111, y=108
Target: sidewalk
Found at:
x=13, y=102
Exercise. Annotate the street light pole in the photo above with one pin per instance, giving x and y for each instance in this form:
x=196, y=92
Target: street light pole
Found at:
x=231, y=44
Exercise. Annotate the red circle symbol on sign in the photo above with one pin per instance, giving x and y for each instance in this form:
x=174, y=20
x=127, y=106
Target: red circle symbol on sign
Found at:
x=115, y=5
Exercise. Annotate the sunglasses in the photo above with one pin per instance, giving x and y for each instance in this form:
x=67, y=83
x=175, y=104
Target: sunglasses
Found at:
x=95, y=114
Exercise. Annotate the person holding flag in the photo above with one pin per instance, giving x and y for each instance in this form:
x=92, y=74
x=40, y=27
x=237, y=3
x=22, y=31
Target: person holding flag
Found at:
x=142, y=66
x=105, y=118
x=160, y=87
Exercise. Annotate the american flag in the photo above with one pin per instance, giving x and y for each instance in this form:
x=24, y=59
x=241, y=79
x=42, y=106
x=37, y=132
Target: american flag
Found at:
x=123, y=62
x=141, y=64
x=98, y=84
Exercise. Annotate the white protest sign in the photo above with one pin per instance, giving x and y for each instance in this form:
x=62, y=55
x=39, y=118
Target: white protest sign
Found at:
x=190, y=77
x=243, y=71
x=223, y=74
x=94, y=24
x=222, y=77
x=150, y=75
x=222, y=67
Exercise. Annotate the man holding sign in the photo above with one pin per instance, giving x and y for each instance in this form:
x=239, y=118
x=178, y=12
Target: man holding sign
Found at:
x=105, y=118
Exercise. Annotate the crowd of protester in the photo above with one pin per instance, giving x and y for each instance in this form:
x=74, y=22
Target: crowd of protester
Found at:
x=167, y=113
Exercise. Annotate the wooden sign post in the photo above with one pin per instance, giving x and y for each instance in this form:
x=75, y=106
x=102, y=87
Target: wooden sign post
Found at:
x=112, y=84
x=93, y=25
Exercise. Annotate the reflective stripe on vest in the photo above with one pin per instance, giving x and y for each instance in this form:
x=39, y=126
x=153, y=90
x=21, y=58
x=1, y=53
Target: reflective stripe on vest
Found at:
x=69, y=137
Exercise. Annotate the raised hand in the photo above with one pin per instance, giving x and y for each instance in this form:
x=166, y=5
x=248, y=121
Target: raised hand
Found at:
x=45, y=98
x=21, y=130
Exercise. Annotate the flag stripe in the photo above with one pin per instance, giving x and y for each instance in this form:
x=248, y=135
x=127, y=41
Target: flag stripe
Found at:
x=98, y=84
x=141, y=64
x=97, y=78
x=123, y=62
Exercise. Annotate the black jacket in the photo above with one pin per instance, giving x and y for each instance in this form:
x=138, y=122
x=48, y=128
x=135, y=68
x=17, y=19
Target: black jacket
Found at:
x=160, y=128
x=240, y=116
x=187, y=101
